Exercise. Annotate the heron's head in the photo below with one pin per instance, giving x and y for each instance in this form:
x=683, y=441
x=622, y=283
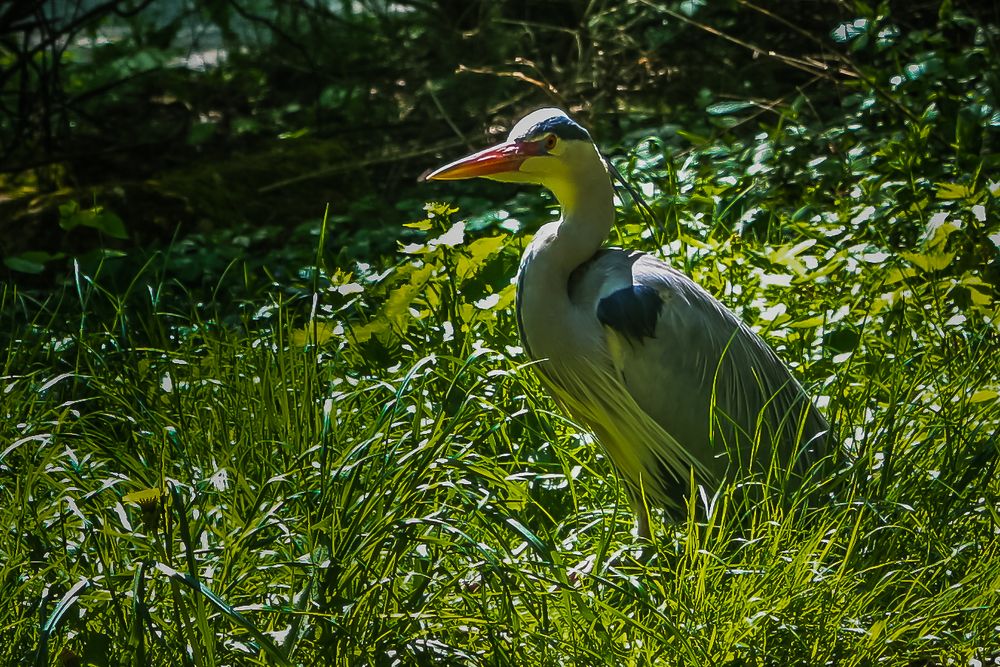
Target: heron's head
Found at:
x=546, y=147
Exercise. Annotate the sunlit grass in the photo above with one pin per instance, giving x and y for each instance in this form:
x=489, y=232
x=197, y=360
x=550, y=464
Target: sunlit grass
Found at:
x=362, y=469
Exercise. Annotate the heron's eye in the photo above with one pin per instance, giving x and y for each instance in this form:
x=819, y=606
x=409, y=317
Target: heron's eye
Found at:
x=550, y=142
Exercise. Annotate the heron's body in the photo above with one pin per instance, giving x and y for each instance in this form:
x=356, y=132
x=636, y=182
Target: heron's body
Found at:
x=669, y=380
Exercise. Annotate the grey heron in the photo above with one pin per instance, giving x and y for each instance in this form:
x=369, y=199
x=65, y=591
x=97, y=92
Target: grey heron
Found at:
x=676, y=388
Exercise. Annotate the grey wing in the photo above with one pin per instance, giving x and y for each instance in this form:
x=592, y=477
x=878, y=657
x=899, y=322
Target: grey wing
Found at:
x=704, y=376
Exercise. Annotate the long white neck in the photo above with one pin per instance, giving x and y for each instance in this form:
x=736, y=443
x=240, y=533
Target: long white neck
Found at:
x=546, y=317
x=588, y=213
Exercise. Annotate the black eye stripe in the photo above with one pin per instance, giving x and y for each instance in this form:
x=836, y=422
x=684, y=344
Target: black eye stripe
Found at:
x=561, y=126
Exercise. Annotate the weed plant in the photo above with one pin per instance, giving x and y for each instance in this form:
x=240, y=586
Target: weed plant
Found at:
x=360, y=468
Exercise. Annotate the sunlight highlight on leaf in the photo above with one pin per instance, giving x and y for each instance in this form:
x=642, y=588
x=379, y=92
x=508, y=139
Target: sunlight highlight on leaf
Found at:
x=952, y=191
x=929, y=261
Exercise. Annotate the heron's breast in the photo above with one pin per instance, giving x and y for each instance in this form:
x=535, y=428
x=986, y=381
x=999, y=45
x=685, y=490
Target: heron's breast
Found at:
x=551, y=326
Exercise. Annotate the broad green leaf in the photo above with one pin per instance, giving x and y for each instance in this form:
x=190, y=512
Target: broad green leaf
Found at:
x=897, y=274
x=788, y=256
x=72, y=216
x=980, y=292
x=32, y=261
x=439, y=209
x=849, y=30
x=397, y=305
x=935, y=261
x=377, y=327
x=23, y=265
x=952, y=191
x=938, y=229
x=984, y=395
x=807, y=323
x=109, y=223
x=723, y=108
x=506, y=297
x=475, y=254
x=317, y=332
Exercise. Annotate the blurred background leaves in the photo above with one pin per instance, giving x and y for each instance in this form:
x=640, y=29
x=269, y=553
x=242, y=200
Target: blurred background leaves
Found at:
x=224, y=117
x=224, y=286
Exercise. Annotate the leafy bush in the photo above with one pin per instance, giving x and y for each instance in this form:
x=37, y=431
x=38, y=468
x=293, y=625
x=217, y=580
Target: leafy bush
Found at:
x=349, y=461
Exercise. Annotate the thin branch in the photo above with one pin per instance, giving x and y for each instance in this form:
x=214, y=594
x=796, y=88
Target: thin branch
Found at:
x=444, y=114
x=391, y=156
x=844, y=58
x=783, y=21
x=544, y=87
x=276, y=29
x=811, y=67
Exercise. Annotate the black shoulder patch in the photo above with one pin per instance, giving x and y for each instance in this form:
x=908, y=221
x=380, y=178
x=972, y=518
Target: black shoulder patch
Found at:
x=631, y=311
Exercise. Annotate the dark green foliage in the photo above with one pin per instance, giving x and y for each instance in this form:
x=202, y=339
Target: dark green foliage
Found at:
x=268, y=440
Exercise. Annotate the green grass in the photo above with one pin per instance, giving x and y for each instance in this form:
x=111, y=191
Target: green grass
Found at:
x=361, y=469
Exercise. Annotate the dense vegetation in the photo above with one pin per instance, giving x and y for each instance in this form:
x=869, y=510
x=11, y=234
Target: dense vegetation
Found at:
x=239, y=430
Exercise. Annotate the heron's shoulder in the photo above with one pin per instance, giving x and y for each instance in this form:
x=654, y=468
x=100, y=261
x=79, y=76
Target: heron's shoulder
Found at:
x=613, y=269
x=642, y=296
x=657, y=274
x=633, y=311
x=674, y=287
x=639, y=267
x=609, y=258
x=590, y=280
x=608, y=283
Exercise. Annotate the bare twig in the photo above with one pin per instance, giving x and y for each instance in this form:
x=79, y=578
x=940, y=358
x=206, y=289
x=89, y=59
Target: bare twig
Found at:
x=812, y=67
x=444, y=114
x=783, y=21
x=843, y=58
x=544, y=87
x=393, y=156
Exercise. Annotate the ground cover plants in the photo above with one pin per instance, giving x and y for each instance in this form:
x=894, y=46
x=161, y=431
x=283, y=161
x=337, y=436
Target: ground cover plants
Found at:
x=346, y=460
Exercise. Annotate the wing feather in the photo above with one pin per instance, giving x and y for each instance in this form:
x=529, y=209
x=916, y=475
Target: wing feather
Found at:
x=701, y=374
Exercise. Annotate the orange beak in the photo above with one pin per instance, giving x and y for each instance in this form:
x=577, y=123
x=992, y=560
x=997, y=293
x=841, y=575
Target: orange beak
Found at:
x=507, y=156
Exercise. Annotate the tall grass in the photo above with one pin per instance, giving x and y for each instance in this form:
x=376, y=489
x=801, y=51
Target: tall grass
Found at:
x=365, y=471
